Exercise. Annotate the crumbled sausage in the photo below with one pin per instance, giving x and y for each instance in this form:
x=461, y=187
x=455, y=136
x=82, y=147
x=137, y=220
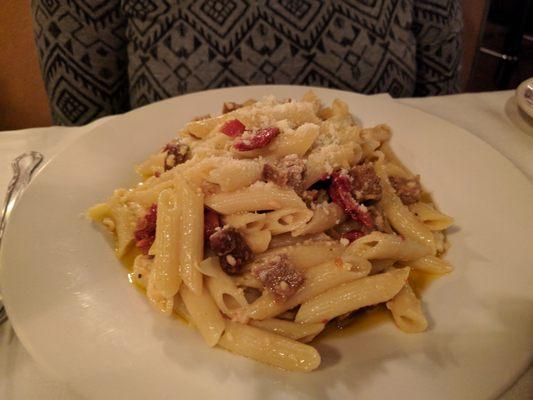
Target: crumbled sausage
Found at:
x=274, y=174
x=352, y=229
x=230, y=106
x=366, y=184
x=279, y=277
x=145, y=232
x=232, y=250
x=408, y=190
x=312, y=197
x=176, y=153
x=381, y=223
x=340, y=192
x=256, y=139
x=201, y=117
x=353, y=235
x=288, y=171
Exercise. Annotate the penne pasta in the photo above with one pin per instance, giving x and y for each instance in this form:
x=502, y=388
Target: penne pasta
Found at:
x=257, y=197
x=269, y=348
x=287, y=239
x=190, y=230
x=407, y=311
x=235, y=174
x=204, y=315
x=431, y=265
x=289, y=329
x=430, y=217
x=400, y=217
x=352, y=296
x=164, y=279
x=246, y=222
x=253, y=228
x=379, y=245
x=287, y=220
x=297, y=141
x=142, y=265
x=228, y=297
x=325, y=216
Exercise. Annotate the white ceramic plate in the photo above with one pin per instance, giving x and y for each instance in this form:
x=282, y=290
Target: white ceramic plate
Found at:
x=73, y=308
x=524, y=96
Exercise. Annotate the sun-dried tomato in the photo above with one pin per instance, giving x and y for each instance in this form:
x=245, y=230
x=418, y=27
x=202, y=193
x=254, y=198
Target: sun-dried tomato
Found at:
x=340, y=192
x=258, y=139
x=211, y=222
x=145, y=233
x=233, y=128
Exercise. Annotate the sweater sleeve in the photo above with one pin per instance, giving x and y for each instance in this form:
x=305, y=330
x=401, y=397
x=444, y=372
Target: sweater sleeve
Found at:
x=82, y=52
x=437, y=26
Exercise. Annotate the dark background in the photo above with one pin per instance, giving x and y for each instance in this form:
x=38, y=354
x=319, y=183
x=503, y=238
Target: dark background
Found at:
x=492, y=28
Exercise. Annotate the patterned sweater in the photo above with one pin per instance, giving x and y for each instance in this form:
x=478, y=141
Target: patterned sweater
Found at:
x=105, y=57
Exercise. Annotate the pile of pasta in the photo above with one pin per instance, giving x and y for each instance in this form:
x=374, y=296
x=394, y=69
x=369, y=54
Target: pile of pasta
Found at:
x=261, y=225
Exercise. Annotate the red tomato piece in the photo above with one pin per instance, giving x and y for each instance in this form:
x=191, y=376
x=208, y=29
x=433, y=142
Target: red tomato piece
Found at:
x=340, y=192
x=233, y=128
x=257, y=139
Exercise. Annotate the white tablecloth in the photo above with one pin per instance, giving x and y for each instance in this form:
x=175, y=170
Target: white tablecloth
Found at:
x=492, y=117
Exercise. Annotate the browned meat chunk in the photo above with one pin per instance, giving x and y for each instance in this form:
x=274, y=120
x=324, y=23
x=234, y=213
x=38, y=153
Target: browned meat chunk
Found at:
x=279, y=277
x=176, y=154
x=366, y=184
x=274, y=174
x=231, y=248
x=381, y=223
x=314, y=196
x=230, y=106
x=288, y=171
x=408, y=190
x=201, y=117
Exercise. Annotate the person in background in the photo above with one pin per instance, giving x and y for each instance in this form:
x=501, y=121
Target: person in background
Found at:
x=107, y=57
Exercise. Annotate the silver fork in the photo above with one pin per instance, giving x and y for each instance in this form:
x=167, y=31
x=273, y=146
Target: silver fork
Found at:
x=23, y=168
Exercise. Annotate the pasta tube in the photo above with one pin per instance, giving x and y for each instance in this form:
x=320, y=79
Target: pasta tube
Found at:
x=269, y=348
x=191, y=233
x=352, y=296
x=407, y=311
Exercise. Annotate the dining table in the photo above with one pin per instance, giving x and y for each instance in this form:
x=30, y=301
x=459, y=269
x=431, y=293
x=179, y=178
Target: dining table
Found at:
x=493, y=117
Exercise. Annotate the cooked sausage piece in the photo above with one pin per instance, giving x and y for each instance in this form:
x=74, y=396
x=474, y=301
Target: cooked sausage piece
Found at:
x=366, y=184
x=288, y=171
x=279, y=277
x=232, y=250
x=408, y=190
x=176, y=153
